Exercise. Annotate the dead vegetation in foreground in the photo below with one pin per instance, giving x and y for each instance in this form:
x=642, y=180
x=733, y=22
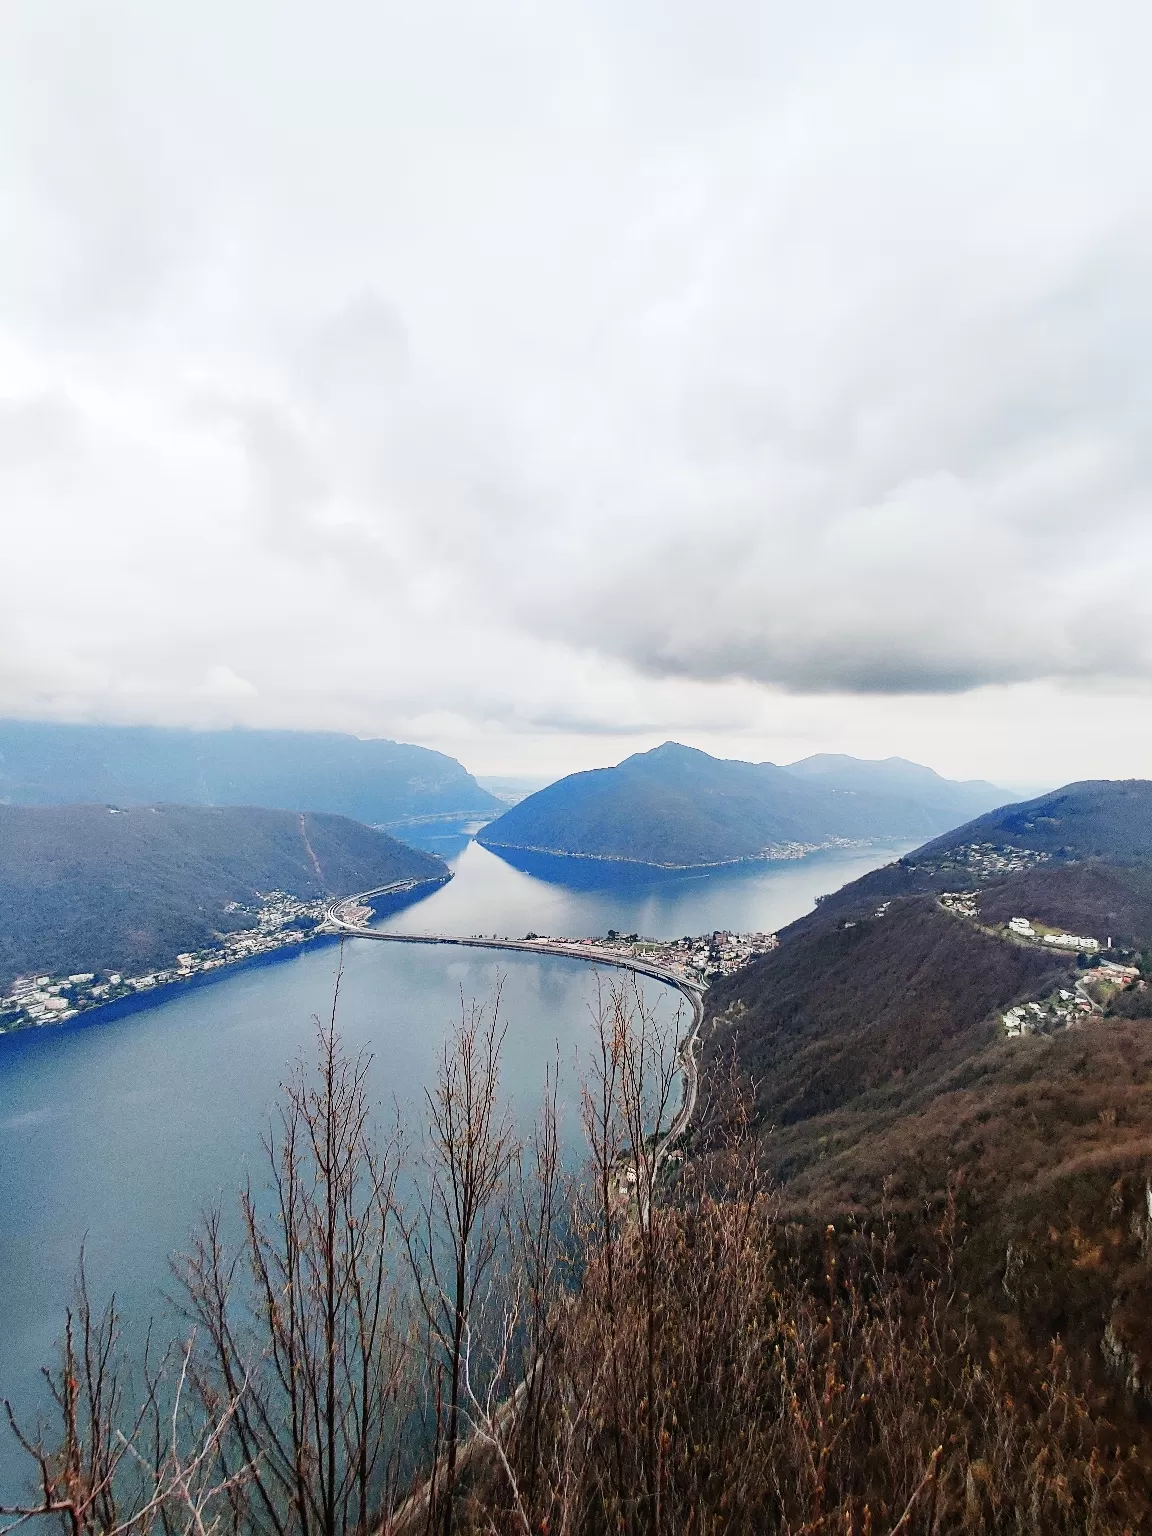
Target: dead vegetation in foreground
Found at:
x=691, y=1364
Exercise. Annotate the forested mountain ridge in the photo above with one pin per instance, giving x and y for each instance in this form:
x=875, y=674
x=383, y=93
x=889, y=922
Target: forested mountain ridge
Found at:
x=677, y=807
x=883, y=1076
x=91, y=888
x=378, y=782
x=1088, y=846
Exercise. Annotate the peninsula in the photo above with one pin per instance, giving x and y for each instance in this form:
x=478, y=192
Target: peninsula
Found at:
x=678, y=808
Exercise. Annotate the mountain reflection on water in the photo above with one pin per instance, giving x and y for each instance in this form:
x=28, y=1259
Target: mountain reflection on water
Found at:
x=514, y=892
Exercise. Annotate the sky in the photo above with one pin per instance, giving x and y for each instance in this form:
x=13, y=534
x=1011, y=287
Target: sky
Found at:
x=539, y=382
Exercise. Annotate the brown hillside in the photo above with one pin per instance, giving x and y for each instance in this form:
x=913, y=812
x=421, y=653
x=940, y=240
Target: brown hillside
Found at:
x=863, y=1021
x=883, y=1080
x=1052, y=1143
x=1103, y=900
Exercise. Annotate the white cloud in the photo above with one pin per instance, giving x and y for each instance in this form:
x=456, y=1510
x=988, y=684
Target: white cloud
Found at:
x=542, y=381
x=222, y=683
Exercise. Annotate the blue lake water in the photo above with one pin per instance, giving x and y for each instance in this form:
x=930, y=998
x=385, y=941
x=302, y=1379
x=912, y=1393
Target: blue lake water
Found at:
x=115, y=1132
x=575, y=898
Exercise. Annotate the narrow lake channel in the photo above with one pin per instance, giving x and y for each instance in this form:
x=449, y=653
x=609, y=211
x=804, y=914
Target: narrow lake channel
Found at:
x=115, y=1132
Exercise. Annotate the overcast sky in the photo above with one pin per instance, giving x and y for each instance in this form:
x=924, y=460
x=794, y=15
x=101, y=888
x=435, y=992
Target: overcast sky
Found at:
x=540, y=381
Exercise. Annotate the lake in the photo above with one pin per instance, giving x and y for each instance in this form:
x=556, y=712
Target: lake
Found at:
x=578, y=898
x=116, y=1131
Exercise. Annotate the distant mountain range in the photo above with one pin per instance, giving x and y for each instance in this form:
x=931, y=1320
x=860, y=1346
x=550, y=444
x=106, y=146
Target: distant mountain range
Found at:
x=84, y=888
x=676, y=807
x=378, y=782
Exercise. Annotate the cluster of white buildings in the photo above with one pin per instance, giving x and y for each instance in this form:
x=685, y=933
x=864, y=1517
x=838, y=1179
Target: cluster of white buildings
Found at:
x=279, y=920
x=1060, y=1010
x=696, y=959
x=729, y=952
x=790, y=850
x=987, y=860
x=1024, y=928
x=965, y=904
x=1041, y=1018
x=48, y=999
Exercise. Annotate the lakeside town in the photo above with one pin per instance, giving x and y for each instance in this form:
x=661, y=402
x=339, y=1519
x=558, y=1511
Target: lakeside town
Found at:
x=279, y=921
x=694, y=959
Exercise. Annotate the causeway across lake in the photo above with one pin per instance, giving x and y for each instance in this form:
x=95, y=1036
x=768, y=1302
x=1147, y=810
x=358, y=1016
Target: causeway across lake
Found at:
x=115, y=1132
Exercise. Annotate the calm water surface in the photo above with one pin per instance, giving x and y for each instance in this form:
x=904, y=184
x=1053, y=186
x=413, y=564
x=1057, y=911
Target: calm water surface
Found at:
x=115, y=1132
x=575, y=898
x=115, y=1135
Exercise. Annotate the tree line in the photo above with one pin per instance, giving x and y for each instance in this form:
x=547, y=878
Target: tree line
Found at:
x=642, y=1347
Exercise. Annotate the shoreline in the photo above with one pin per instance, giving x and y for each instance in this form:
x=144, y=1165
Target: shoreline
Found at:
x=222, y=964
x=164, y=992
x=772, y=856
x=335, y=931
x=692, y=992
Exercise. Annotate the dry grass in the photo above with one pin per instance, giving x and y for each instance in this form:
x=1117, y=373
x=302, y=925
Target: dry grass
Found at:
x=854, y=1398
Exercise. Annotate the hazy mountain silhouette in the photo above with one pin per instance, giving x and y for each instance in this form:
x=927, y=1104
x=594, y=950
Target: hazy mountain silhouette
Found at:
x=43, y=763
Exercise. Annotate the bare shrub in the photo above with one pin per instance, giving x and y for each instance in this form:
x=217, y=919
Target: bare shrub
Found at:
x=302, y=1327
x=110, y=1467
x=674, y=1358
x=455, y=1239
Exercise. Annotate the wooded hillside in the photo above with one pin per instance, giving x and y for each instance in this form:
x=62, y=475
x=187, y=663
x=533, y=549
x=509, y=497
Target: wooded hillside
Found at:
x=884, y=1084
x=842, y=1029
x=676, y=807
x=87, y=888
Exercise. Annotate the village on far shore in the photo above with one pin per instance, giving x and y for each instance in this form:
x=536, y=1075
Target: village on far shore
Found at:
x=281, y=920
